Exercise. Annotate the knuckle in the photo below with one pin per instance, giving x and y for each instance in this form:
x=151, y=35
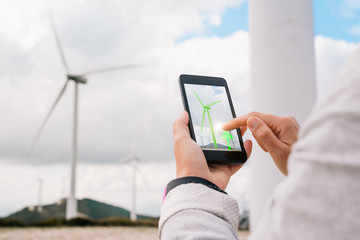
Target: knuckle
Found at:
x=175, y=124
x=290, y=123
x=295, y=122
x=177, y=139
x=292, y=118
x=180, y=142
x=263, y=133
x=254, y=114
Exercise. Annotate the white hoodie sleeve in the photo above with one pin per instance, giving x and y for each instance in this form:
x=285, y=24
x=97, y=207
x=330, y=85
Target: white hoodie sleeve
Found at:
x=195, y=211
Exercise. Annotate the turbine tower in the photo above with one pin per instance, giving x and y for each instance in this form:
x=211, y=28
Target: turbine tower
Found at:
x=282, y=79
x=133, y=160
x=71, y=206
x=40, y=208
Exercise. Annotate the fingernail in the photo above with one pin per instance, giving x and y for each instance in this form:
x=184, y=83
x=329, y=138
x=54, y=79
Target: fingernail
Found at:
x=252, y=123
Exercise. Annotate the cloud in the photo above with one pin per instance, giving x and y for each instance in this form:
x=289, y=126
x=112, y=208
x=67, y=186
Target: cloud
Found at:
x=115, y=107
x=355, y=30
x=349, y=8
x=330, y=55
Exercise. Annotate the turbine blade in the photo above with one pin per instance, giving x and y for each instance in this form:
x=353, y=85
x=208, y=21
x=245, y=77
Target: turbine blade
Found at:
x=111, y=69
x=202, y=121
x=125, y=160
x=214, y=103
x=199, y=99
x=58, y=43
x=47, y=118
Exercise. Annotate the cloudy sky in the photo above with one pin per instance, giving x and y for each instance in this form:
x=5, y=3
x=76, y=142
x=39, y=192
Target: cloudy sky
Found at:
x=117, y=109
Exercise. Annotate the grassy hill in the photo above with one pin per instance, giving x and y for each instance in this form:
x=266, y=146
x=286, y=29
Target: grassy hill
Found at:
x=87, y=208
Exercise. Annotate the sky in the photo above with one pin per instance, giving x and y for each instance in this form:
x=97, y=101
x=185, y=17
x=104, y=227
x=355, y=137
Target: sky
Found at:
x=118, y=110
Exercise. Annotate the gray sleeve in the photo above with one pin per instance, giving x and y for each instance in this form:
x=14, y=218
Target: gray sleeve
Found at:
x=197, y=224
x=195, y=211
x=320, y=198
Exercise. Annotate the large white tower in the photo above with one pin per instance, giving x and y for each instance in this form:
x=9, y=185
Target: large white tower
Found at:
x=282, y=78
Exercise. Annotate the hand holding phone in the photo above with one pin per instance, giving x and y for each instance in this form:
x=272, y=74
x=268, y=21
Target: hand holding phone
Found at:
x=190, y=160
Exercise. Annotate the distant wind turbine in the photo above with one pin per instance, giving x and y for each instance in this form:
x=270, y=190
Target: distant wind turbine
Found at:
x=132, y=159
x=40, y=208
x=71, y=206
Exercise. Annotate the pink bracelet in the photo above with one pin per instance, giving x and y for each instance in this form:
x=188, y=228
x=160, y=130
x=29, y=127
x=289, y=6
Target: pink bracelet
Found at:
x=164, y=195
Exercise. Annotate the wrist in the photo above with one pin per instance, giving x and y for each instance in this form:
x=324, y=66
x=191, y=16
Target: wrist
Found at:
x=191, y=179
x=194, y=172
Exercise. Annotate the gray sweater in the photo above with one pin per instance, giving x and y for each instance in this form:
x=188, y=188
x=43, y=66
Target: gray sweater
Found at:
x=320, y=199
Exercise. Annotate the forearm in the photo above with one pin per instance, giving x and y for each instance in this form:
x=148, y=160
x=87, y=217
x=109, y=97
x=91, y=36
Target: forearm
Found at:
x=195, y=211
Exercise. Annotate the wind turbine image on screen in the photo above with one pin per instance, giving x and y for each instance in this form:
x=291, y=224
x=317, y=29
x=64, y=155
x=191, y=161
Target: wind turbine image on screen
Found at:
x=210, y=110
x=71, y=206
x=207, y=109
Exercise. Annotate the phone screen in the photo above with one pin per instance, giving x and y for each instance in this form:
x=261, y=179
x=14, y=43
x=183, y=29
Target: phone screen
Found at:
x=209, y=108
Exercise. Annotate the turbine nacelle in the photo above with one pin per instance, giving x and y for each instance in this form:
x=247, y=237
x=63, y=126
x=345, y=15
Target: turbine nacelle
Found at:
x=77, y=78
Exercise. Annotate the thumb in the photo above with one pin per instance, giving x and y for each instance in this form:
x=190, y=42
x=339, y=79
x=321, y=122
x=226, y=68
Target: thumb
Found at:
x=180, y=126
x=263, y=134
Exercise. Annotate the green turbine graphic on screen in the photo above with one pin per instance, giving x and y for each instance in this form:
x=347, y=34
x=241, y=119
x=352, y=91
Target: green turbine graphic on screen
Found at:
x=207, y=109
x=227, y=136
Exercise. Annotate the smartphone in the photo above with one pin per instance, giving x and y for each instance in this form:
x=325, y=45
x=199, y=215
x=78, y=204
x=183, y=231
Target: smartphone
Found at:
x=208, y=102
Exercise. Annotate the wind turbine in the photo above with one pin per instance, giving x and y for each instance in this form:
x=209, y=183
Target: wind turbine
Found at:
x=132, y=159
x=40, y=208
x=71, y=206
x=227, y=136
x=207, y=109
